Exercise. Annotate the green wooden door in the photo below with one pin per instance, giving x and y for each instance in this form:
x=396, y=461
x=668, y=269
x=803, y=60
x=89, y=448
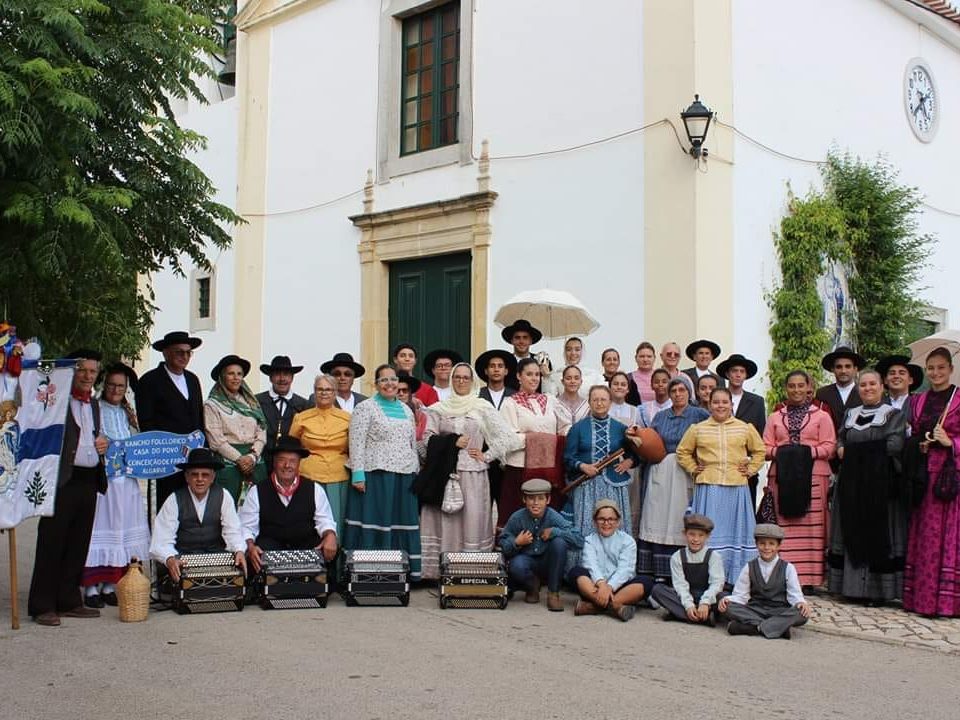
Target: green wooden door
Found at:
x=430, y=304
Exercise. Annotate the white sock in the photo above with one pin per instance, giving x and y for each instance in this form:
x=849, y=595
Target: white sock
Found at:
x=92, y=590
x=109, y=588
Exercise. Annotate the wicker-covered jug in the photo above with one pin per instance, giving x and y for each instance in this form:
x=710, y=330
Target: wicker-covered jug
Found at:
x=133, y=593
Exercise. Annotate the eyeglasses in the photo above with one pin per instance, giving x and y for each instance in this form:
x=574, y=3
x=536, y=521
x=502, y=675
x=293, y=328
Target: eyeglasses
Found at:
x=442, y=366
x=608, y=519
x=115, y=386
x=385, y=380
x=324, y=391
x=462, y=378
x=342, y=373
x=403, y=390
x=671, y=354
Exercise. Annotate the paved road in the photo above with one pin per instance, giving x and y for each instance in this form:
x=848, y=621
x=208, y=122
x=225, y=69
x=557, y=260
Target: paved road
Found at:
x=422, y=662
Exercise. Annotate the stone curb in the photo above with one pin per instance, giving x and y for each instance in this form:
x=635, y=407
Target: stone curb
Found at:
x=940, y=646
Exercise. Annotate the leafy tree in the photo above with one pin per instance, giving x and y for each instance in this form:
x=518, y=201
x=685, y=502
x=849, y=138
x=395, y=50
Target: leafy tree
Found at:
x=810, y=234
x=95, y=186
x=888, y=253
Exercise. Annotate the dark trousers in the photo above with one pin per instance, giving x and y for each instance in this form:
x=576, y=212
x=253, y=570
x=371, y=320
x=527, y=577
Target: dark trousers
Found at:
x=771, y=621
x=167, y=486
x=753, y=481
x=669, y=600
x=549, y=567
x=62, y=544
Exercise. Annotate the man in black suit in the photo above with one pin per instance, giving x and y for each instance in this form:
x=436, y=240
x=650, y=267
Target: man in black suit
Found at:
x=747, y=406
x=64, y=538
x=494, y=367
x=169, y=398
x=702, y=352
x=280, y=403
x=344, y=370
x=841, y=395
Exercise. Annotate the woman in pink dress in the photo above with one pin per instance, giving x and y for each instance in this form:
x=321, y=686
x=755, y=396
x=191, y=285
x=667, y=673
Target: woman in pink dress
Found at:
x=931, y=583
x=799, y=423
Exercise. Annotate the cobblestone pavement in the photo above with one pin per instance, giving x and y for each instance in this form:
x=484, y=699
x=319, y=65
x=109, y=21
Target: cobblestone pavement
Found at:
x=889, y=625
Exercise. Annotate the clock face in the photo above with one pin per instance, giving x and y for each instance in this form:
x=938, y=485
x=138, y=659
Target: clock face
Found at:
x=921, y=100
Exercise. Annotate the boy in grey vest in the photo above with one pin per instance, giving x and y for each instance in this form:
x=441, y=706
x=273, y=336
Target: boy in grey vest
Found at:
x=767, y=599
x=697, y=574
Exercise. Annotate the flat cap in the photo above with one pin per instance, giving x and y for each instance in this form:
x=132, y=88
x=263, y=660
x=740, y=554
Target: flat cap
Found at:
x=536, y=486
x=696, y=521
x=768, y=530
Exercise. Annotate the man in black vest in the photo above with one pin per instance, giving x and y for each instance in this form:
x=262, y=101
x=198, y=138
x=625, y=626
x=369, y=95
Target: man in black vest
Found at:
x=280, y=403
x=64, y=538
x=702, y=352
x=169, y=398
x=284, y=512
x=747, y=406
x=198, y=518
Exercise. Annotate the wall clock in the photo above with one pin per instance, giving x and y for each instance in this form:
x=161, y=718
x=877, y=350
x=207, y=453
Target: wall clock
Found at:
x=920, y=100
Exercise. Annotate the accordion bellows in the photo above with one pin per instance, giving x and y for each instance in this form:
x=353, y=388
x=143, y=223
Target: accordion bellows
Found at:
x=293, y=579
x=473, y=580
x=209, y=582
x=376, y=577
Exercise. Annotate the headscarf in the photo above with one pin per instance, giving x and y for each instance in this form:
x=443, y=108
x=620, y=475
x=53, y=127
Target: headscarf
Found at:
x=687, y=383
x=243, y=403
x=500, y=437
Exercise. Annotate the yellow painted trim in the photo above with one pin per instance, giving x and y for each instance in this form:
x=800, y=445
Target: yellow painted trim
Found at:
x=253, y=91
x=268, y=12
x=688, y=215
x=435, y=228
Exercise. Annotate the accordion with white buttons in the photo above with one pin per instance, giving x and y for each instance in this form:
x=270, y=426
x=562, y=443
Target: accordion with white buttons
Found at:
x=473, y=580
x=209, y=582
x=376, y=577
x=293, y=579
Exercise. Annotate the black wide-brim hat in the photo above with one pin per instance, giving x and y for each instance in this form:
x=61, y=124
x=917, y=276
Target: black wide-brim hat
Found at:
x=842, y=352
x=410, y=381
x=431, y=359
x=737, y=360
x=227, y=360
x=916, y=372
x=697, y=344
x=84, y=354
x=480, y=365
x=119, y=367
x=177, y=337
x=201, y=458
x=288, y=443
x=280, y=363
x=343, y=360
x=521, y=325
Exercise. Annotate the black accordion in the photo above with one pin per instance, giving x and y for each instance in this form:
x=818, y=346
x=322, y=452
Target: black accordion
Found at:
x=376, y=577
x=293, y=579
x=473, y=580
x=209, y=582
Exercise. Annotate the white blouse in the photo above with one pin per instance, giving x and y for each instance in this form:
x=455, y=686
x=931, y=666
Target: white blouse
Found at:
x=523, y=420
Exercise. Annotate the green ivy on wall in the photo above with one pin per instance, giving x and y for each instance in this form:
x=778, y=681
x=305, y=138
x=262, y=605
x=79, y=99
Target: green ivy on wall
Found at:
x=863, y=219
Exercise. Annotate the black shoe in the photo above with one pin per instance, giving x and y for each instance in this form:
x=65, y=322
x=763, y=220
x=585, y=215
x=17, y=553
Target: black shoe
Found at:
x=741, y=628
x=786, y=634
x=109, y=598
x=711, y=620
x=668, y=617
x=93, y=601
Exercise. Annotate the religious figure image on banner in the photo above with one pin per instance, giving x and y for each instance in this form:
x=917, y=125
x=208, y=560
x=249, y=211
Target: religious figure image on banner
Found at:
x=37, y=431
x=9, y=445
x=838, y=306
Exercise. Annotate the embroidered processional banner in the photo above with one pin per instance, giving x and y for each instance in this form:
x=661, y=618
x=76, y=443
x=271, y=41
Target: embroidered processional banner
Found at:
x=31, y=438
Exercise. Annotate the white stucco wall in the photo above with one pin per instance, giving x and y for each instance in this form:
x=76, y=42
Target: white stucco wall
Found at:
x=558, y=218
x=218, y=123
x=834, y=79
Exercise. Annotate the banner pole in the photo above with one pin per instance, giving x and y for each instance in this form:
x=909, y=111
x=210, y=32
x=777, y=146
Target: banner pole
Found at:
x=14, y=599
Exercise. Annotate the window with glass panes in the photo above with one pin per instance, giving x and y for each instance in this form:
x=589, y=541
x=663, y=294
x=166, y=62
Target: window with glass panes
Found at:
x=431, y=65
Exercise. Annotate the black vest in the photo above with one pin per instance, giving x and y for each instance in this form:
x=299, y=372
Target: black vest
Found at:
x=773, y=592
x=697, y=574
x=194, y=535
x=287, y=527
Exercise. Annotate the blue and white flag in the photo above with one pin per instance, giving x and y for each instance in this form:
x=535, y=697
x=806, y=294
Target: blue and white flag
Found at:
x=30, y=443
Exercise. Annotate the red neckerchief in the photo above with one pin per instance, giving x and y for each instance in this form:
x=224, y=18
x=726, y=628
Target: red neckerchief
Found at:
x=287, y=492
x=527, y=399
x=83, y=397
